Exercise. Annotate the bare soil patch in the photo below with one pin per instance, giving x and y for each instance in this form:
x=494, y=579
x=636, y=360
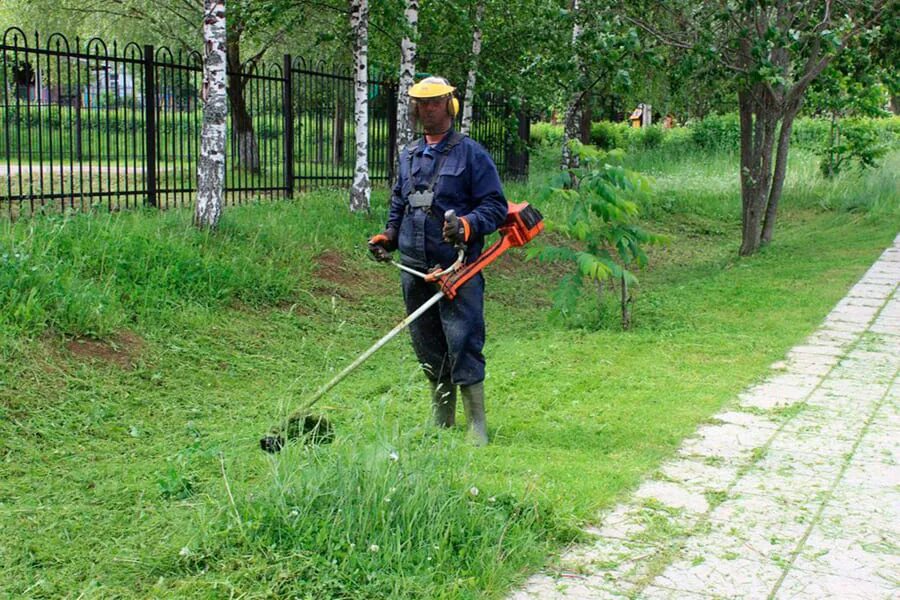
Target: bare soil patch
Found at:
x=336, y=276
x=122, y=350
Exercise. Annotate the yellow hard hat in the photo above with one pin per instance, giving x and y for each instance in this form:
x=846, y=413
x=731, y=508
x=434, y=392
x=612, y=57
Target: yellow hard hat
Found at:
x=431, y=87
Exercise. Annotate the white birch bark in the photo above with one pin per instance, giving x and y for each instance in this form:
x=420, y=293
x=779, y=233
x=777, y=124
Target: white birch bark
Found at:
x=361, y=189
x=473, y=70
x=407, y=75
x=211, y=164
x=573, y=111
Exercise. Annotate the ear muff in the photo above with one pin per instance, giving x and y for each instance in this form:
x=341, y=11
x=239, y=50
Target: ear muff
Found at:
x=453, y=106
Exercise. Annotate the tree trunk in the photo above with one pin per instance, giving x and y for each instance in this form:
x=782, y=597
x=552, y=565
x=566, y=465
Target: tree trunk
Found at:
x=586, y=118
x=571, y=131
x=626, y=305
x=573, y=110
x=405, y=131
x=241, y=121
x=473, y=70
x=211, y=164
x=781, y=157
x=359, y=24
x=758, y=119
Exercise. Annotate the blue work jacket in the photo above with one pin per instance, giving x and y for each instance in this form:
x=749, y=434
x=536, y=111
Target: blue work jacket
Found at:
x=466, y=182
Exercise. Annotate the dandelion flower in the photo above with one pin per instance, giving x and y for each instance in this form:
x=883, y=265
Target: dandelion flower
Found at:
x=374, y=548
x=473, y=491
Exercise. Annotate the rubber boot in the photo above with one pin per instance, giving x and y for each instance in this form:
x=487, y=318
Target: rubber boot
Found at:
x=473, y=402
x=443, y=403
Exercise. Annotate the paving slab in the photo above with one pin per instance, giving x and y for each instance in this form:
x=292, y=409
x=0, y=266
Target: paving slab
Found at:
x=793, y=491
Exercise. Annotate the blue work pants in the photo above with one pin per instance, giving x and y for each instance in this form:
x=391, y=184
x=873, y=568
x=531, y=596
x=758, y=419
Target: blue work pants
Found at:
x=448, y=338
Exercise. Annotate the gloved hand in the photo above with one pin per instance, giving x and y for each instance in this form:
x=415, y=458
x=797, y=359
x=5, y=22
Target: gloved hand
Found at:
x=382, y=245
x=456, y=229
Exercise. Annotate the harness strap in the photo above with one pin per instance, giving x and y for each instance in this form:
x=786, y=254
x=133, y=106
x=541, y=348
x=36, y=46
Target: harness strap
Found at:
x=454, y=139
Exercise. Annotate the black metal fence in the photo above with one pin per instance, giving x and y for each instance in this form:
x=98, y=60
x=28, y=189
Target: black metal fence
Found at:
x=85, y=123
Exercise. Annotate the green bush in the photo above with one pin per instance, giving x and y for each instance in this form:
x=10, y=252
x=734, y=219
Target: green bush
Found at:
x=810, y=133
x=857, y=140
x=607, y=135
x=678, y=140
x=602, y=224
x=717, y=133
x=650, y=137
x=546, y=134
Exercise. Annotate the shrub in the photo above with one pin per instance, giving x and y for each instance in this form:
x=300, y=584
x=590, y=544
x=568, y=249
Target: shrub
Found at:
x=602, y=225
x=810, y=133
x=717, y=133
x=852, y=141
x=650, y=137
x=678, y=140
x=607, y=135
x=546, y=134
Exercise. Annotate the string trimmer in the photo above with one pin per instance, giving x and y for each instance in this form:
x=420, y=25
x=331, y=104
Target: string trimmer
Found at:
x=523, y=223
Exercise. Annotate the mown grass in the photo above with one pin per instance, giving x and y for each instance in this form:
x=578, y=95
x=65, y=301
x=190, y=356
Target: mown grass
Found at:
x=131, y=469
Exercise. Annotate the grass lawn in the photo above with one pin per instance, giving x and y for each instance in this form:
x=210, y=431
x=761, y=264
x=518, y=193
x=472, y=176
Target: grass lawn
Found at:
x=142, y=360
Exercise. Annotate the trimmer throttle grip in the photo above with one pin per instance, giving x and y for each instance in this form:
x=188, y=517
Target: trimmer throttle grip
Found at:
x=451, y=219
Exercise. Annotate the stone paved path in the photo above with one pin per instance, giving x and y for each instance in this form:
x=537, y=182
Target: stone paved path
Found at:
x=794, y=492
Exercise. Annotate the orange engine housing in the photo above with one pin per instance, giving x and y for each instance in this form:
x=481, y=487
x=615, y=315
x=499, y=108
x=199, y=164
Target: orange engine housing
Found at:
x=523, y=223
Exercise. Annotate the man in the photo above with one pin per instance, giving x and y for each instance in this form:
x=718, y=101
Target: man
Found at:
x=443, y=171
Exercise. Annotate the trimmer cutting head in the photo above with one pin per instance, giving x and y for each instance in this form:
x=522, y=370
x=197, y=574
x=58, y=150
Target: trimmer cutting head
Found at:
x=314, y=429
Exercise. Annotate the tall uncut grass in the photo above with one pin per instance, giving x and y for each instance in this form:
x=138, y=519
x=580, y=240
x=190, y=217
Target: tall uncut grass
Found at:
x=385, y=516
x=90, y=274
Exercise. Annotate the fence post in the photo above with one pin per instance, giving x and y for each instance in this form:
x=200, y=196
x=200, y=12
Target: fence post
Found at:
x=288, y=115
x=392, y=133
x=150, y=125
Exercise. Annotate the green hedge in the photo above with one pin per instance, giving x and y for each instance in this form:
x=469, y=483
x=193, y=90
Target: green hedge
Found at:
x=716, y=133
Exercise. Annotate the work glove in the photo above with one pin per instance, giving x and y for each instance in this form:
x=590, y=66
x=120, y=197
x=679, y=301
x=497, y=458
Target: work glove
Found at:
x=456, y=229
x=381, y=245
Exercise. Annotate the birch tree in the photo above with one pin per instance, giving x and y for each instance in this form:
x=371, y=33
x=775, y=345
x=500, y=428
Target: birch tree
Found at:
x=572, y=125
x=405, y=131
x=473, y=69
x=211, y=165
x=361, y=188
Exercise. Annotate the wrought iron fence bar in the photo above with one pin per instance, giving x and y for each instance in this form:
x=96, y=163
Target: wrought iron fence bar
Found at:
x=150, y=125
x=76, y=55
